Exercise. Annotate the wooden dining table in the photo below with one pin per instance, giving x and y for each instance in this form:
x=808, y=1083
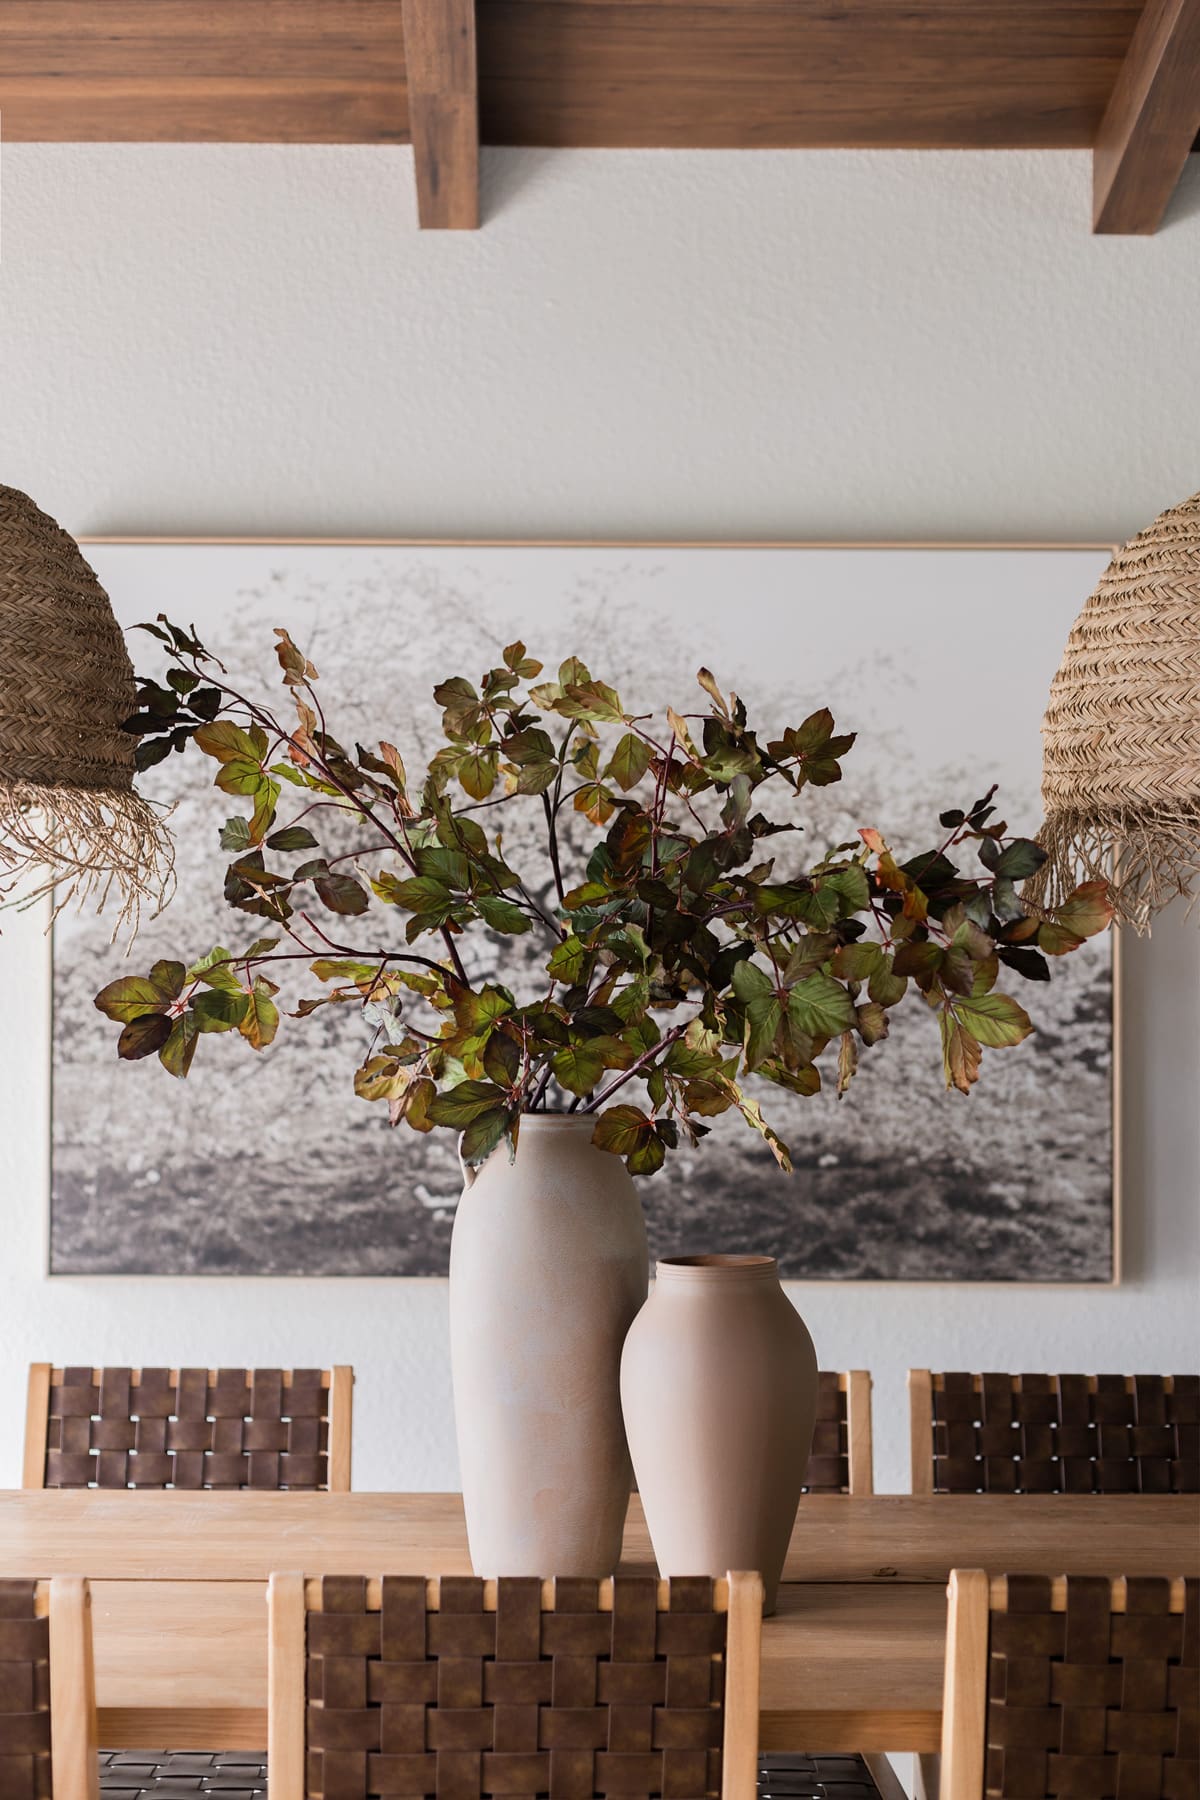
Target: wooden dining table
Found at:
x=851, y=1660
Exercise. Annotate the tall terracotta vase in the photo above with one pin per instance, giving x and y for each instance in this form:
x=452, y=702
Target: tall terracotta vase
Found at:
x=548, y=1267
x=719, y=1384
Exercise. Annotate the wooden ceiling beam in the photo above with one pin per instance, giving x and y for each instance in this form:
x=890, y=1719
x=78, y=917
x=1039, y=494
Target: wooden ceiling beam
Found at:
x=1151, y=120
x=443, y=110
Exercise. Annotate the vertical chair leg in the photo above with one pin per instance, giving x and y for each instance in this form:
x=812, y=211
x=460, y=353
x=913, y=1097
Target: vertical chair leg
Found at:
x=287, y=1624
x=74, y=1751
x=743, y=1649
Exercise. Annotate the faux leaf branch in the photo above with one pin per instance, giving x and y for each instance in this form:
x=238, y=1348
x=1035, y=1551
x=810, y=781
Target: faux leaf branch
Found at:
x=684, y=959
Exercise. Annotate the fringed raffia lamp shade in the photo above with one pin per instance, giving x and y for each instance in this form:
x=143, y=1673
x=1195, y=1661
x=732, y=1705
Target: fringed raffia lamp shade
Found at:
x=69, y=815
x=1121, y=737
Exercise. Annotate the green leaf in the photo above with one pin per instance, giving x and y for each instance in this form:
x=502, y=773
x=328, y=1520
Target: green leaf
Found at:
x=993, y=1019
x=216, y=970
x=850, y=886
x=750, y=982
x=382, y=1078
x=885, y=987
x=708, y=682
x=220, y=1008
x=1019, y=859
x=629, y=761
x=820, y=1006
x=178, y=1050
x=261, y=1021
x=292, y=837
x=484, y=1132
x=459, y=1105
x=590, y=700
x=569, y=959
x=857, y=962
x=477, y=771
x=520, y=664
x=143, y=1036
x=872, y=1022
x=343, y=969
x=1083, y=914
x=131, y=997
x=620, y=1129
x=235, y=833
x=961, y=1054
x=594, y=802
x=752, y=1112
x=227, y=742
x=502, y=1060
x=341, y=893
x=502, y=915
x=578, y=1068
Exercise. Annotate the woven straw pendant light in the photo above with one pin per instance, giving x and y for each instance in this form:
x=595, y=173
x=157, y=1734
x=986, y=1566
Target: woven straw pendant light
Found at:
x=69, y=814
x=1121, y=736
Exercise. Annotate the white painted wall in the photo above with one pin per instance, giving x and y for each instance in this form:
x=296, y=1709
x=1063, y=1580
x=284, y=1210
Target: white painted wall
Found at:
x=256, y=340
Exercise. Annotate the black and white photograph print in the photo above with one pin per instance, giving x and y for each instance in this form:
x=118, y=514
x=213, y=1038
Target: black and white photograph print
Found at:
x=940, y=660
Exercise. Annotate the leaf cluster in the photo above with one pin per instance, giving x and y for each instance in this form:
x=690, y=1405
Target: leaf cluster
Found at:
x=683, y=951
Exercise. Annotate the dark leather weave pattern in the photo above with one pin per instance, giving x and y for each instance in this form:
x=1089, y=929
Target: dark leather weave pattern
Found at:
x=828, y=1469
x=24, y=1695
x=1052, y=1434
x=183, y=1774
x=790, y=1775
x=245, y=1429
x=461, y=1703
x=1090, y=1704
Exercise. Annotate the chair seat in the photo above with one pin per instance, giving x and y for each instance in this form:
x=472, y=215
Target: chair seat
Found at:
x=789, y=1775
x=183, y=1774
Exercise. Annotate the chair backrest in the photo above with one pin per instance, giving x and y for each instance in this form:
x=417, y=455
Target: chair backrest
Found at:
x=188, y=1428
x=461, y=1688
x=842, y=1459
x=1054, y=1434
x=47, y=1691
x=1071, y=1686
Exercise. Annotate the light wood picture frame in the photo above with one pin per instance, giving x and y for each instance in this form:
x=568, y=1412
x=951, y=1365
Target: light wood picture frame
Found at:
x=492, y=586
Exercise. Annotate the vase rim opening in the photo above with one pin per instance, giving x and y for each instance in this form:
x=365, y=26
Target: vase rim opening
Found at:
x=706, y=1267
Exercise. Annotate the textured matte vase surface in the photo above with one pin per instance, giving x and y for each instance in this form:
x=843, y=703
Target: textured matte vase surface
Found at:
x=548, y=1267
x=719, y=1384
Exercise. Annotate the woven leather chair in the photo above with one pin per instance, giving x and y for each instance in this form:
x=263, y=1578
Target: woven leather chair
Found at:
x=47, y=1691
x=1078, y=1687
x=461, y=1688
x=1049, y=1434
x=842, y=1459
x=188, y=1428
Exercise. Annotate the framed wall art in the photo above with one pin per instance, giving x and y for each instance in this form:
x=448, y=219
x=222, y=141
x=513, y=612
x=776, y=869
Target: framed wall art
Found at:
x=940, y=659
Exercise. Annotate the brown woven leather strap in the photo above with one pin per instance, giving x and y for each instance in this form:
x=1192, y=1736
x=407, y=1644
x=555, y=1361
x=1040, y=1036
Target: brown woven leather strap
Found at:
x=1046, y=1434
x=828, y=1469
x=462, y=1703
x=24, y=1694
x=1089, y=1703
x=160, y=1428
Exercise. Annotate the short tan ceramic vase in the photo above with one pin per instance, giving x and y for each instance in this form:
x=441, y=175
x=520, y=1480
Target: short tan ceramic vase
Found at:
x=548, y=1267
x=719, y=1387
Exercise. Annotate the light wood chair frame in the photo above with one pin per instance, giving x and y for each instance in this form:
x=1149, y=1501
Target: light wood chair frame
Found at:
x=922, y=1384
x=856, y=1384
x=74, y=1744
x=338, y=1380
x=291, y=1597
x=973, y=1596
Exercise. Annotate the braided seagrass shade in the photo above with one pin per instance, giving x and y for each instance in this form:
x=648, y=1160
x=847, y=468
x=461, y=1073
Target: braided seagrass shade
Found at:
x=68, y=810
x=1121, y=736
